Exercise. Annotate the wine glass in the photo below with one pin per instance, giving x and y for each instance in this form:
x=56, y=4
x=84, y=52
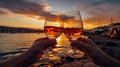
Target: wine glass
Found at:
x=53, y=24
x=53, y=28
x=73, y=28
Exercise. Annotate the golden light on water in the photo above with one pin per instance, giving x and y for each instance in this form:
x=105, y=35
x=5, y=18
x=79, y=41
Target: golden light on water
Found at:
x=62, y=40
x=63, y=45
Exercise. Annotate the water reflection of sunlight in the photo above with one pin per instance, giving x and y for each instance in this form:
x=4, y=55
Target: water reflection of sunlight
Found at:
x=63, y=45
x=62, y=40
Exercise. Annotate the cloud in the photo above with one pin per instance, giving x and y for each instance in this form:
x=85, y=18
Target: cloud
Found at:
x=30, y=8
x=2, y=12
x=25, y=7
x=113, y=1
x=97, y=3
x=41, y=2
x=103, y=10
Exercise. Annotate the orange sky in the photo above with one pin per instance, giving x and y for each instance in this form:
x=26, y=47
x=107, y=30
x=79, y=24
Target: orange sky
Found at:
x=31, y=13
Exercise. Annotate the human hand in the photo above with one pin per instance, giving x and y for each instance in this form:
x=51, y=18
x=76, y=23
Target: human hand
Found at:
x=95, y=52
x=43, y=43
x=84, y=44
x=32, y=55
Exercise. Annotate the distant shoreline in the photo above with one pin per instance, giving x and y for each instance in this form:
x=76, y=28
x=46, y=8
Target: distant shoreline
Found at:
x=6, y=29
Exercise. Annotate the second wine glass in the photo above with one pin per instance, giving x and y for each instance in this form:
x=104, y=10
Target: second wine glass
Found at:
x=73, y=28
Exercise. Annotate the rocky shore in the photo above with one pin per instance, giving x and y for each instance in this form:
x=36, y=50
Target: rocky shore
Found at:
x=108, y=45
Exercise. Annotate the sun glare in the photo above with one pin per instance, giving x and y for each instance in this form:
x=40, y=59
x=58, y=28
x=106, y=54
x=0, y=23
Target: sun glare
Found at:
x=57, y=24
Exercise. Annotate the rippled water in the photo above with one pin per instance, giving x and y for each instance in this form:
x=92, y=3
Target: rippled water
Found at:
x=14, y=44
